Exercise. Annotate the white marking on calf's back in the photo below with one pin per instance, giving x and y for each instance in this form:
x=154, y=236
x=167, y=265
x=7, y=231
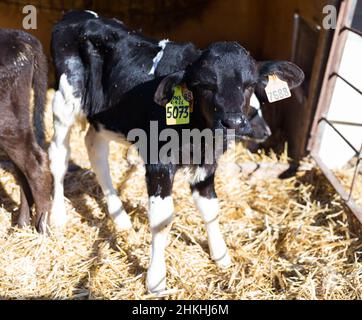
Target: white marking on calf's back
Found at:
x=156, y=60
x=93, y=13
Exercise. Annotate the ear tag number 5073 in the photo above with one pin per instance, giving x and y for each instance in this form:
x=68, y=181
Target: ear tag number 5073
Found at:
x=178, y=109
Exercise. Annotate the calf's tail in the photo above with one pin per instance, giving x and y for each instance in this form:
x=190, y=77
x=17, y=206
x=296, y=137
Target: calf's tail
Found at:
x=40, y=84
x=94, y=96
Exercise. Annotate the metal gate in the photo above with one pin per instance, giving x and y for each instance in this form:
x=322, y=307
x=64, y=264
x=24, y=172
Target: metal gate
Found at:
x=321, y=121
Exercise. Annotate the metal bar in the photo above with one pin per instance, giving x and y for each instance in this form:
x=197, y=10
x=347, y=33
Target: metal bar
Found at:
x=296, y=23
x=335, y=57
x=357, y=32
x=345, y=123
x=340, y=134
x=352, y=205
x=355, y=175
x=335, y=74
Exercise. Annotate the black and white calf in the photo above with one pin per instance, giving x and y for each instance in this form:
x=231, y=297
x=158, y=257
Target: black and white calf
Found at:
x=120, y=80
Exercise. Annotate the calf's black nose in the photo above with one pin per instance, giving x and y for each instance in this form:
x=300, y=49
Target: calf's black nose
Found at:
x=240, y=124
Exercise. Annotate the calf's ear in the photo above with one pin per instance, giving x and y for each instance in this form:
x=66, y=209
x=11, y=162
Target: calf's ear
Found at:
x=285, y=70
x=164, y=91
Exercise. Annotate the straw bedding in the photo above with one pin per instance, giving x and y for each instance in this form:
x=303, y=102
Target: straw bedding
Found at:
x=289, y=239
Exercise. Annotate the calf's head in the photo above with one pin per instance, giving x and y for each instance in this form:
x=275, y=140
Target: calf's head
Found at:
x=223, y=80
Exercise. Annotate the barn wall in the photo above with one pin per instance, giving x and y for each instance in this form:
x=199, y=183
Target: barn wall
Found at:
x=200, y=21
x=294, y=117
x=264, y=27
x=11, y=17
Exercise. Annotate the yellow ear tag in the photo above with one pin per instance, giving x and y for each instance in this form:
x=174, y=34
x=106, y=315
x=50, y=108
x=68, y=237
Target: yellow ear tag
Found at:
x=178, y=109
x=277, y=89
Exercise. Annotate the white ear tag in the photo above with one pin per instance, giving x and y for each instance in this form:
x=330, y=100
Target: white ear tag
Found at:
x=277, y=89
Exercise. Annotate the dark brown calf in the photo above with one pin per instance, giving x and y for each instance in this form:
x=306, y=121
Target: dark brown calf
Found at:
x=22, y=68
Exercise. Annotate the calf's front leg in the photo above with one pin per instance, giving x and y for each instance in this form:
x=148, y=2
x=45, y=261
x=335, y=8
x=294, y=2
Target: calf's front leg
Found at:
x=159, y=180
x=207, y=203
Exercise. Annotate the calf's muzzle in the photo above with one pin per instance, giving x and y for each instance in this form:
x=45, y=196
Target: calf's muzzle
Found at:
x=238, y=123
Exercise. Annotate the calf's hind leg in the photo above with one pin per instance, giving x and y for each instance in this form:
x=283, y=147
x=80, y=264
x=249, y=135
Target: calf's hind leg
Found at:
x=66, y=107
x=98, y=152
x=33, y=164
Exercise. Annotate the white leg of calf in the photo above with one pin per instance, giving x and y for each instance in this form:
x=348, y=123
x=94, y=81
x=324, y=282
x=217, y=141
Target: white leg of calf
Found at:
x=160, y=217
x=59, y=156
x=209, y=209
x=66, y=108
x=98, y=151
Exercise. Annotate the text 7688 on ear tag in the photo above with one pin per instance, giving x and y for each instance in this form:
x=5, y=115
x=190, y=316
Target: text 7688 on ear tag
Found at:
x=277, y=89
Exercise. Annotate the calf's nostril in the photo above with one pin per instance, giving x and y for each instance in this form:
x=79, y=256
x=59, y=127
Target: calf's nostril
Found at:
x=227, y=124
x=239, y=124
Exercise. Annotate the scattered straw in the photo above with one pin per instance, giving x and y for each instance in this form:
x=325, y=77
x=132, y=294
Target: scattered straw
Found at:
x=289, y=239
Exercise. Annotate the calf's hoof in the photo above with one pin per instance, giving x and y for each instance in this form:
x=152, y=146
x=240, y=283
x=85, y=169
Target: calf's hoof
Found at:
x=224, y=262
x=41, y=223
x=122, y=221
x=58, y=222
x=22, y=223
x=58, y=218
x=156, y=287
